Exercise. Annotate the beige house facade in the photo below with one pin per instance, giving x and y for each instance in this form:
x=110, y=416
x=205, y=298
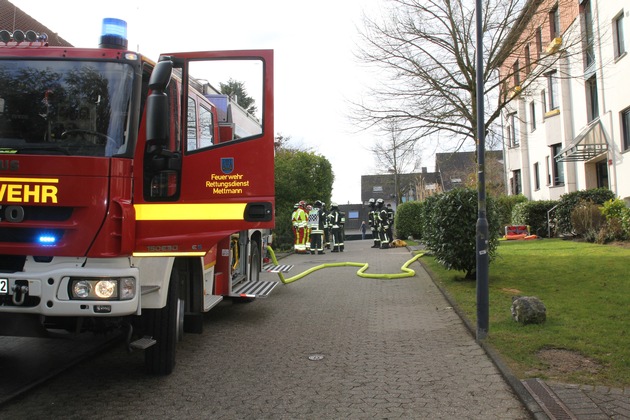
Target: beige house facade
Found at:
x=568, y=125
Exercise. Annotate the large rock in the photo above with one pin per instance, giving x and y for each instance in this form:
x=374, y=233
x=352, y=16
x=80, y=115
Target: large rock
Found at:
x=528, y=310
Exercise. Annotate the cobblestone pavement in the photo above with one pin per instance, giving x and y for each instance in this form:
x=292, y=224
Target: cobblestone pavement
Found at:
x=585, y=402
x=331, y=345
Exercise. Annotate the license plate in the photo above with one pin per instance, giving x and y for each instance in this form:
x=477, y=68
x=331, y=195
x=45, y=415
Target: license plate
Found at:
x=4, y=286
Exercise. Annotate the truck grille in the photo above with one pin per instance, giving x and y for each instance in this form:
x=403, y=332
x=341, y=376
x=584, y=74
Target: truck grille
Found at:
x=40, y=220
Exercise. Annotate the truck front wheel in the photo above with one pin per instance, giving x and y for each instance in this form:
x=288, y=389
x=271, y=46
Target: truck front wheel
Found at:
x=166, y=326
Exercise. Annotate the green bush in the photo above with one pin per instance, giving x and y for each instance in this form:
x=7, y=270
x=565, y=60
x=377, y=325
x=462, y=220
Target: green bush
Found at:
x=570, y=200
x=450, y=229
x=587, y=220
x=426, y=225
x=617, y=221
x=614, y=208
x=625, y=223
x=408, y=220
x=505, y=205
x=283, y=232
x=534, y=214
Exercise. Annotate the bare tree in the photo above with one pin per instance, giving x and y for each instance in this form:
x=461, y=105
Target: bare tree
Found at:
x=428, y=49
x=397, y=155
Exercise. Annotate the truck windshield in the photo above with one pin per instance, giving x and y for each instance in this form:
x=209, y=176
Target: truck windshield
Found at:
x=74, y=108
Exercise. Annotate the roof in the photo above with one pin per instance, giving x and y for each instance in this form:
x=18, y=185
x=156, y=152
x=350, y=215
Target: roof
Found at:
x=456, y=168
x=518, y=26
x=12, y=18
x=383, y=185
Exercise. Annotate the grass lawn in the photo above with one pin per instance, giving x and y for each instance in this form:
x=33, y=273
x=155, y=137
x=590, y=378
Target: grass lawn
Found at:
x=586, y=289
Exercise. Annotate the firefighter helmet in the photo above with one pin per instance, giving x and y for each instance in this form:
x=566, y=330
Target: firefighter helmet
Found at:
x=318, y=203
x=380, y=202
x=302, y=203
x=296, y=205
x=333, y=205
x=371, y=202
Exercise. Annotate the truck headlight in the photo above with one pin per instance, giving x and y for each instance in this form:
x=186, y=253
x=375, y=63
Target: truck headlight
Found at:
x=106, y=289
x=123, y=288
x=81, y=289
x=127, y=288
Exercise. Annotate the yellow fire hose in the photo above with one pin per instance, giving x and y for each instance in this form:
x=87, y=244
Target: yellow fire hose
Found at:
x=406, y=271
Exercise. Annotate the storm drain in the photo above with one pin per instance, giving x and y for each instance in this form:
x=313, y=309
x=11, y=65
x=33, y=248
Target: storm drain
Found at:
x=548, y=400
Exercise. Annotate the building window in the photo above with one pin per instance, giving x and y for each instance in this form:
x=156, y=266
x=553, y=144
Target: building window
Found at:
x=592, y=102
x=536, y=176
x=513, y=134
x=620, y=46
x=552, y=88
x=557, y=167
x=528, y=60
x=625, y=128
x=554, y=23
x=589, y=50
x=548, y=170
x=543, y=101
x=517, y=73
x=601, y=168
x=539, y=43
x=532, y=116
x=516, y=182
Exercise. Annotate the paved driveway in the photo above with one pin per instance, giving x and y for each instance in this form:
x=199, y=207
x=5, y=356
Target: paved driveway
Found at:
x=330, y=345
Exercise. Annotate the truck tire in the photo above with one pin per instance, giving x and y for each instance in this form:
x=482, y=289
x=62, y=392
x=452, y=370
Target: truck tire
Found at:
x=166, y=326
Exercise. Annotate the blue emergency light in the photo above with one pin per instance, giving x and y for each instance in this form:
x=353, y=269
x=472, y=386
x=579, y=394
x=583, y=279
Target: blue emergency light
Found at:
x=45, y=239
x=114, y=34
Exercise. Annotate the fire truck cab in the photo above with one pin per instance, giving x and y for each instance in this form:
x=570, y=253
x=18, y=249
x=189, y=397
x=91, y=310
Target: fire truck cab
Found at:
x=130, y=195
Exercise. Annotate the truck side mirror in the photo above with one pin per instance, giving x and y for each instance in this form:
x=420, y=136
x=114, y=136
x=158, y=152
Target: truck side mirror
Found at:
x=157, y=104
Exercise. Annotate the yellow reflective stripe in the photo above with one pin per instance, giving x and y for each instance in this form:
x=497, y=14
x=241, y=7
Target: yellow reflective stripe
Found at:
x=220, y=211
x=169, y=254
x=48, y=180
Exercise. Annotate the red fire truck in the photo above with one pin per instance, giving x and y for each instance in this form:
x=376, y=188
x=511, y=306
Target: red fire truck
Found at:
x=129, y=195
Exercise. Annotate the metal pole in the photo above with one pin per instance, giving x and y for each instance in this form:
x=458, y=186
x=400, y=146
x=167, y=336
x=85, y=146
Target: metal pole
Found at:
x=482, y=222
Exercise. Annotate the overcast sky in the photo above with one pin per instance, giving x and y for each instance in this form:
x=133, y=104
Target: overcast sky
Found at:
x=316, y=73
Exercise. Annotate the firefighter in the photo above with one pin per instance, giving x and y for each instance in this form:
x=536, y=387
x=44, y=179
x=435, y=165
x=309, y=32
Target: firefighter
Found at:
x=294, y=223
x=390, y=218
x=300, y=221
x=334, y=221
x=302, y=227
x=326, y=226
x=373, y=222
x=342, y=229
x=317, y=222
x=383, y=223
x=307, y=238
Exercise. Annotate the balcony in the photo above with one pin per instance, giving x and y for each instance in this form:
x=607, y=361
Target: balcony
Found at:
x=554, y=45
x=514, y=91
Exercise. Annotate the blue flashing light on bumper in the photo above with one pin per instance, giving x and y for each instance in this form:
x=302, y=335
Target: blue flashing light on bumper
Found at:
x=47, y=239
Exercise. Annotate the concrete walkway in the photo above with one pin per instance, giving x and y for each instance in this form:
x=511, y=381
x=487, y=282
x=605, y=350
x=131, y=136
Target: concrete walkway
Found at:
x=389, y=348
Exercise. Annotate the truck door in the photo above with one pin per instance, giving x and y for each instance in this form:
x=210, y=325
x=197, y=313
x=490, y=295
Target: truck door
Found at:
x=197, y=187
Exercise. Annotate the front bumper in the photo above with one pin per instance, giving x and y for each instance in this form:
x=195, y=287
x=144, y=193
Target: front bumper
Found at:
x=43, y=288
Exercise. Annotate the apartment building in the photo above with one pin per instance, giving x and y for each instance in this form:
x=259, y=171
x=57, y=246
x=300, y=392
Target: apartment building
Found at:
x=567, y=127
